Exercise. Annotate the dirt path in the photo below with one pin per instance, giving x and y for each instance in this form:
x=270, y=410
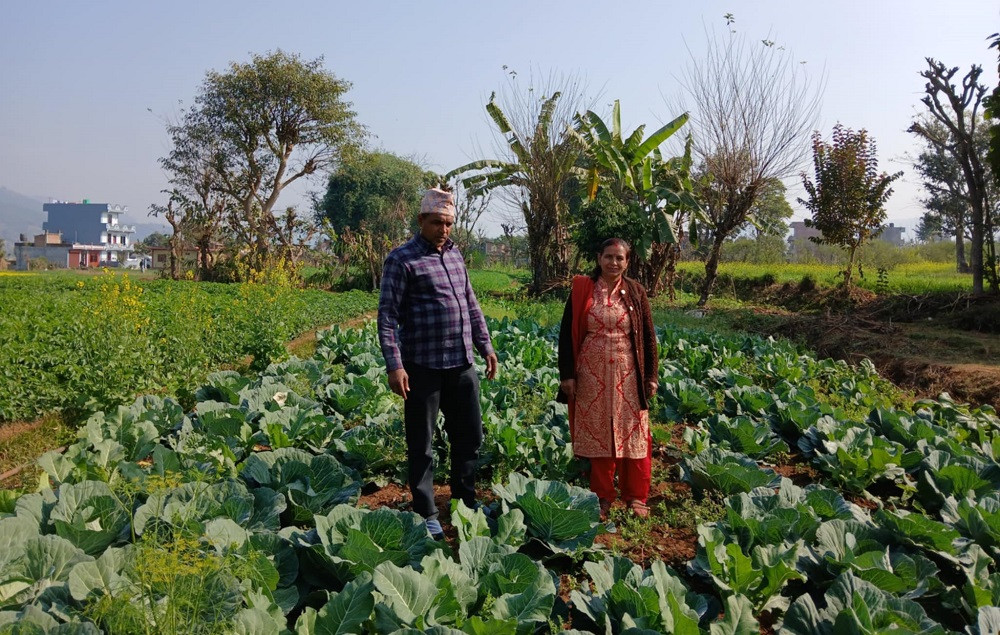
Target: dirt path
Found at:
x=305, y=344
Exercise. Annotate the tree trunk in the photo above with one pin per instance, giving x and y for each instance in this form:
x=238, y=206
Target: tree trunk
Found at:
x=850, y=268
x=961, y=264
x=653, y=271
x=544, y=252
x=990, y=248
x=673, y=254
x=712, y=267
x=204, y=245
x=174, y=242
x=976, y=257
x=537, y=254
x=175, y=256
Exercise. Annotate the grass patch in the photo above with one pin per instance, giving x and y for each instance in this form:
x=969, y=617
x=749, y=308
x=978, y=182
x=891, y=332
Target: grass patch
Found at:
x=22, y=443
x=910, y=278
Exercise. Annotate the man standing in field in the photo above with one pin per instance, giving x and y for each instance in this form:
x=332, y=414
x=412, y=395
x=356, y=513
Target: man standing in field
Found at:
x=428, y=322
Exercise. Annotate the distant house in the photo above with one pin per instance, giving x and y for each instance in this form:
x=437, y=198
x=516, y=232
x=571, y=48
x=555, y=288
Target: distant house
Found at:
x=161, y=257
x=892, y=234
x=79, y=235
x=800, y=232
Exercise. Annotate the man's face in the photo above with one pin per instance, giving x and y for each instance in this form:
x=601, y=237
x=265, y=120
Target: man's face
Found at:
x=435, y=228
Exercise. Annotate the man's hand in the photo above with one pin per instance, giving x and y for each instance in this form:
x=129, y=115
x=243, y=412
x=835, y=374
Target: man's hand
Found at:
x=399, y=382
x=491, y=365
x=568, y=386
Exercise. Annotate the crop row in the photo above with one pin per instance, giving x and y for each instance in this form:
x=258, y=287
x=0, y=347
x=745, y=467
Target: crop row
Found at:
x=91, y=343
x=241, y=514
x=925, y=556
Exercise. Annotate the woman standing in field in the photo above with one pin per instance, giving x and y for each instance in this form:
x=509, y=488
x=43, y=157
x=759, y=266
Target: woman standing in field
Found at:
x=608, y=367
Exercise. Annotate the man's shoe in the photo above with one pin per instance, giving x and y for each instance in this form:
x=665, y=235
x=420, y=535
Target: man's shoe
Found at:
x=476, y=506
x=434, y=528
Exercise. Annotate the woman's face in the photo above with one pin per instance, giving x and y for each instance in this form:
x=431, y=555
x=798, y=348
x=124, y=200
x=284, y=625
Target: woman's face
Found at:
x=614, y=261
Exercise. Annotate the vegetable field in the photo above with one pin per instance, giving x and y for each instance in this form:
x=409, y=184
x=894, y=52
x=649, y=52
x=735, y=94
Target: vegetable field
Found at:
x=247, y=513
x=909, y=278
x=89, y=343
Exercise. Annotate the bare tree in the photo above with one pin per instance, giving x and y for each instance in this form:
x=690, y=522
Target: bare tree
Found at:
x=752, y=111
x=956, y=109
x=198, y=206
x=173, y=214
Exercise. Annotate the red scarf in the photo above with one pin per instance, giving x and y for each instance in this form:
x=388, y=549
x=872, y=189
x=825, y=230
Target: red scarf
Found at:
x=581, y=298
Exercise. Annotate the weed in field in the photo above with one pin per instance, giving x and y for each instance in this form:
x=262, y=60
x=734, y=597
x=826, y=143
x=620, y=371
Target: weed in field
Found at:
x=684, y=511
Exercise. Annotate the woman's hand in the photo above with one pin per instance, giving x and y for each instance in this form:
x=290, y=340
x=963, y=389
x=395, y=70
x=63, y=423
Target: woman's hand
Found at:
x=651, y=386
x=568, y=386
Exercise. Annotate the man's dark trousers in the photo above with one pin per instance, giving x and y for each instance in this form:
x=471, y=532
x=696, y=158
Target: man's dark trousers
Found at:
x=455, y=391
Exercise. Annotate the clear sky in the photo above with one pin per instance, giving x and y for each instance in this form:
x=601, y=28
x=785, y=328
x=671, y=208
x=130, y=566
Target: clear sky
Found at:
x=78, y=79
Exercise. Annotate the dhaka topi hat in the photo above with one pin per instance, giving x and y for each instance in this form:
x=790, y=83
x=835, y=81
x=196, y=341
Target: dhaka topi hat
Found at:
x=437, y=201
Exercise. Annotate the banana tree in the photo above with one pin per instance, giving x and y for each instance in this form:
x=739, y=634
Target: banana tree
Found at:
x=543, y=159
x=659, y=190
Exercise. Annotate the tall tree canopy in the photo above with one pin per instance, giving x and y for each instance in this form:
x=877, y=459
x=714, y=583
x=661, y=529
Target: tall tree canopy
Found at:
x=847, y=199
x=370, y=205
x=252, y=131
x=771, y=210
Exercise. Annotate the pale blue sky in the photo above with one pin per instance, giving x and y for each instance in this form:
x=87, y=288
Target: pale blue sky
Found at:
x=76, y=78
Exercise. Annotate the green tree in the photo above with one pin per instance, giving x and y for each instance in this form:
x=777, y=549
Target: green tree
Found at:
x=654, y=191
x=947, y=202
x=847, y=199
x=369, y=206
x=374, y=191
x=541, y=160
x=156, y=239
x=258, y=127
x=992, y=112
x=770, y=211
x=604, y=217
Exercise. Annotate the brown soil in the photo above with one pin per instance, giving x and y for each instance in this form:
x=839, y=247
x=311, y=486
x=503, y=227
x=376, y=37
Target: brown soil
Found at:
x=916, y=350
x=798, y=473
x=974, y=383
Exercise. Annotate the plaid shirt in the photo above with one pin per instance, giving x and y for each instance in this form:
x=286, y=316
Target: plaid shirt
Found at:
x=427, y=300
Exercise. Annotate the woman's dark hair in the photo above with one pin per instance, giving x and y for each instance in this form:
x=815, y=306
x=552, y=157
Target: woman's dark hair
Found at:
x=610, y=242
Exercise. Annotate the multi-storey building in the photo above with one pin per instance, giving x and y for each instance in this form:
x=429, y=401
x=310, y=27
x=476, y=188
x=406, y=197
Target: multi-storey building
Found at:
x=80, y=235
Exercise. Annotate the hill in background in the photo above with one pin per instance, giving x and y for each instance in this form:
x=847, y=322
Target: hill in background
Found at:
x=19, y=214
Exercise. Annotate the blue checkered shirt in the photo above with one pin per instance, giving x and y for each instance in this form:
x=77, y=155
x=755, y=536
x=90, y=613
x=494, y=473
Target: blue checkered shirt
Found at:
x=427, y=312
